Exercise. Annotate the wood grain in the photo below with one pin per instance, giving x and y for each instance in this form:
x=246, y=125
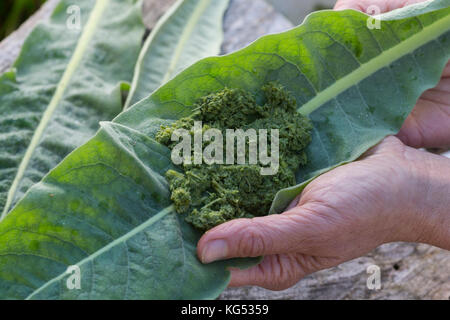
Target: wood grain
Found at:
x=408, y=271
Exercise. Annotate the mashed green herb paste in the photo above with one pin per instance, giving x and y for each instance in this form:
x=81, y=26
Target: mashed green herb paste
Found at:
x=209, y=195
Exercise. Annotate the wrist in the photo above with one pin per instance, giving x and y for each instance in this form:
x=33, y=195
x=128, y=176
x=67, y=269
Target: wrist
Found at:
x=429, y=215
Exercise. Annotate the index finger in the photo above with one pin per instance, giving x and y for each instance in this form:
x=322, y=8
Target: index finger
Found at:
x=383, y=5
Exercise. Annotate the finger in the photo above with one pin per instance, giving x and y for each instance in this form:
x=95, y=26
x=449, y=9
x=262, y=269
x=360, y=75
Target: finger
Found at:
x=349, y=4
x=279, y=272
x=382, y=5
x=427, y=126
x=280, y=233
x=429, y=123
x=388, y=145
x=446, y=73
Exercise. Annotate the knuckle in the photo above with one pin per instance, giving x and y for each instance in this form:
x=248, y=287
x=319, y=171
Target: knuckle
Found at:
x=277, y=273
x=253, y=242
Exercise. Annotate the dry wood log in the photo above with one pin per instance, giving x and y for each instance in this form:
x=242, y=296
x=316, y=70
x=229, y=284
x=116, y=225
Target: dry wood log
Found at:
x=408, y=271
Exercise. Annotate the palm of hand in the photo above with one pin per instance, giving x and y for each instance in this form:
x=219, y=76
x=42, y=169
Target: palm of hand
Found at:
x=330, y=222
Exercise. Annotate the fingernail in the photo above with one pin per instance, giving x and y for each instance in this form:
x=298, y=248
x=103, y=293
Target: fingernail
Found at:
x=214, y=250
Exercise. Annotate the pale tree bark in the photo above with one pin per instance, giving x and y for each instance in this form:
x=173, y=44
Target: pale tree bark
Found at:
x=408, y=271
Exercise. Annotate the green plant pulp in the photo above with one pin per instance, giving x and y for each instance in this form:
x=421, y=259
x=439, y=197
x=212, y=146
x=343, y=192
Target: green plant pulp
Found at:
x=212, y=194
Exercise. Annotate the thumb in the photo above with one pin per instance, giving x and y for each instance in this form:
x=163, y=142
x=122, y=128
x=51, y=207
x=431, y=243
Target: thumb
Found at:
x=274, y=234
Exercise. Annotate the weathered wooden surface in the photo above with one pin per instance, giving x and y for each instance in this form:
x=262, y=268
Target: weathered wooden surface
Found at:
x=408, y=271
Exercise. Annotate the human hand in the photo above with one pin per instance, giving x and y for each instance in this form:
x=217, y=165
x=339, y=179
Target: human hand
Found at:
x=393, y=193
x=428, y=126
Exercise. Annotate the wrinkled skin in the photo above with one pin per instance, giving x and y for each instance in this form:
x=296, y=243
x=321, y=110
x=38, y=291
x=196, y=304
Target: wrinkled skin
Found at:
x=393, y=193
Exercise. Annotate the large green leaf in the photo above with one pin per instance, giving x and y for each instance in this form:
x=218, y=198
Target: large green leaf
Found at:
x=64, y=82
x=191, y=30
x=360, y=109
x=106, y=207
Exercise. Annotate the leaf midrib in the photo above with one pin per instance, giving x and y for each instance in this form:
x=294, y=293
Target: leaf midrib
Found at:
x=160, y=215
x=82, y=46
x=432, y=31
x=186, y=34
